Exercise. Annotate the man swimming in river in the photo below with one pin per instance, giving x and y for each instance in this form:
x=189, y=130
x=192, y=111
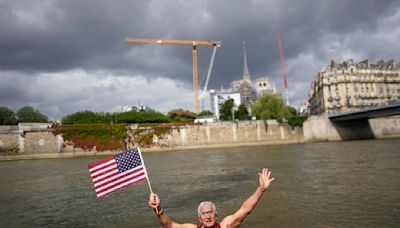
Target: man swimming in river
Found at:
x=207, y=213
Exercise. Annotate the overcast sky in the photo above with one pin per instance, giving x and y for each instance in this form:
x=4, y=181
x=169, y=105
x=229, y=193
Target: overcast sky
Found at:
x=64, y=56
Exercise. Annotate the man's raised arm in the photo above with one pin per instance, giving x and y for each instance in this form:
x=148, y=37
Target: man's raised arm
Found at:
x=248, y=205
x=165, y=220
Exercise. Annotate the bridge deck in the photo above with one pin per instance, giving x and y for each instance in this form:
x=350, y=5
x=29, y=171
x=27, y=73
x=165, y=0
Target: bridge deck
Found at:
x=372, y=112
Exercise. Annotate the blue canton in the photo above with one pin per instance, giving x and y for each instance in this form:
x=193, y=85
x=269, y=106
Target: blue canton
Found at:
x=128, y=160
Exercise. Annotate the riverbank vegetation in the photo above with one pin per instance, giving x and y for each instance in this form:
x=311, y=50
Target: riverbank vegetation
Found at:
x=98, y=136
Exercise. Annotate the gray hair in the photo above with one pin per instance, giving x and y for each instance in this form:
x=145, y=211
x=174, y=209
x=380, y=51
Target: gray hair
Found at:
x=206, y=204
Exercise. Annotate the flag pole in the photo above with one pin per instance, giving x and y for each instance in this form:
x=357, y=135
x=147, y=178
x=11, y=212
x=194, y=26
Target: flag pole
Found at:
x=145, y=170
x=147, y=175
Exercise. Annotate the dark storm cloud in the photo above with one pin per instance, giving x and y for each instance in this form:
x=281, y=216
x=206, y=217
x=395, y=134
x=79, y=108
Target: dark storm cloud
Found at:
x=63, y=34
x=63, y=37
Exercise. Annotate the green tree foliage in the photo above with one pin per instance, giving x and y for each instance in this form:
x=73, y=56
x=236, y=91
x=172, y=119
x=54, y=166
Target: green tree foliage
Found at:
x=291, y=110
x=271, y=106
x=7, y=116
x=29, y=115
x=84, y=117
x=205, y=113
x=114, y=118
x=226, y=109
x=295, y=121
x=180, y=115
x=141, y=117
x=242, y=113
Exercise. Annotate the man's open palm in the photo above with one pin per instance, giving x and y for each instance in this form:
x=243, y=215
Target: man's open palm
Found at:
x=265, y=178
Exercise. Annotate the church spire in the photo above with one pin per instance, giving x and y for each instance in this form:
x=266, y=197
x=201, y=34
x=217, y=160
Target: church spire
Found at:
x=246, y=73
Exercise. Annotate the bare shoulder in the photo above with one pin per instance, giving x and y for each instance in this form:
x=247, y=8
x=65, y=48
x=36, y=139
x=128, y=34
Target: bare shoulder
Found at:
x=185, y=225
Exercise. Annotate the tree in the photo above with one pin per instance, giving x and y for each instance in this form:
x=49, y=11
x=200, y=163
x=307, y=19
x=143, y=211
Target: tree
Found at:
x=7, y=116
x=291, y=110
x=86, y=117
x=242, y=112
x=205, y=113
x=271, y=106
x=28, y=114
x=226, y=109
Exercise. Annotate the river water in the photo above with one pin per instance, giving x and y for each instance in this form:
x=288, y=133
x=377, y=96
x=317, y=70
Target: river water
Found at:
x=330, y=184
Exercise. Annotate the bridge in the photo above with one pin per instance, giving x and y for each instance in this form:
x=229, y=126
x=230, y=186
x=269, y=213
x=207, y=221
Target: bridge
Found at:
x=390, y=109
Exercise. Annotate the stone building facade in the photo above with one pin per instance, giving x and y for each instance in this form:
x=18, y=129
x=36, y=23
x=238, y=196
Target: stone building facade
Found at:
x=263, y=85
x=350, y=86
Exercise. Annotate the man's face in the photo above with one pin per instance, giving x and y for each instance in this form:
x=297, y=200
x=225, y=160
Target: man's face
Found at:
x=207, y=217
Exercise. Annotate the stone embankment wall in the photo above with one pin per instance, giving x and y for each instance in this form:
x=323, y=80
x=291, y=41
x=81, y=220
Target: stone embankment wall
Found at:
x=38, y=140
x=220, y=134
x=28, y=138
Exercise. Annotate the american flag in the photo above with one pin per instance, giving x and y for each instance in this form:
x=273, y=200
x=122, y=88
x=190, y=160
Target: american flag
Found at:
x=118, y=171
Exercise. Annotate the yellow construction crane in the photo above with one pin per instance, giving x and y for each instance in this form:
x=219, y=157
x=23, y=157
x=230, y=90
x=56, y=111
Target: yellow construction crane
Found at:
x=194, y=44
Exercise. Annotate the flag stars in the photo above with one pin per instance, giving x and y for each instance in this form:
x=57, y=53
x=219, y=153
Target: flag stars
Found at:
x=128, y=160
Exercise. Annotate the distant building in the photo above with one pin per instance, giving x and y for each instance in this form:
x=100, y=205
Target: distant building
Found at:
x=219, y=98
x=205, y=119
x=247, y=92
x=138, y=108
x=350, y=86
x=304, y=109
x=263, y=85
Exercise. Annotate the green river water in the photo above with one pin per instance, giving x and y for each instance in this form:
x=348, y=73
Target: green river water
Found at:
x=330, y=184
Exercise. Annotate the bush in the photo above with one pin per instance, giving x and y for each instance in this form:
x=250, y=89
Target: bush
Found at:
x=141, y=117
x=87, y=136
x=85, y=117
x=295, y=121
x=180, y=115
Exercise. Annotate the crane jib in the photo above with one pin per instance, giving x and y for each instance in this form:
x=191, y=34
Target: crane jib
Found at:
x=194, y=44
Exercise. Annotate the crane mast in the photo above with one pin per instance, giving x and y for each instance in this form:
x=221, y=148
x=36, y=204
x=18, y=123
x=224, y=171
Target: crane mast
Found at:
x=194, y=44
x=208, y=77
x=282, y=58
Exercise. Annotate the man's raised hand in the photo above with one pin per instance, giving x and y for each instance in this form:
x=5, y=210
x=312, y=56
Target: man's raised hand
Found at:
x=265, y=178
